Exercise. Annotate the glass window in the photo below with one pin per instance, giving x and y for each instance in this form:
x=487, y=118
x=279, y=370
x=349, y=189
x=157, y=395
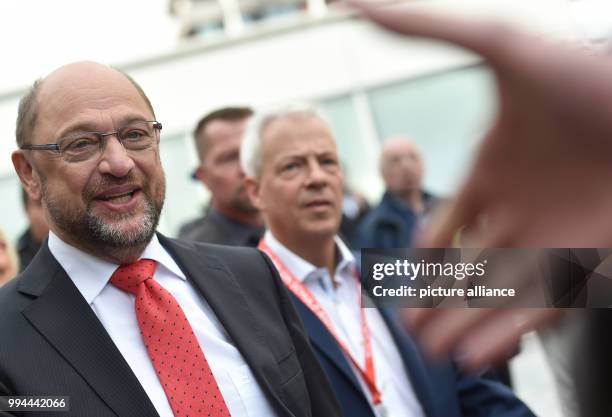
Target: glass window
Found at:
x=184, y=197
x=354, y=145
x=445, y=114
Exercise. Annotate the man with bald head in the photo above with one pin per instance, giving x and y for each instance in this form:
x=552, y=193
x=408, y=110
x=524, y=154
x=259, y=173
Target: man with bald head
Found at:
x=392, y=223
x=120, y=319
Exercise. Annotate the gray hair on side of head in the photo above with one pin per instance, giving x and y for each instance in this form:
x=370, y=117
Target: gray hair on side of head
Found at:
x=250, y=149
x=27, y=114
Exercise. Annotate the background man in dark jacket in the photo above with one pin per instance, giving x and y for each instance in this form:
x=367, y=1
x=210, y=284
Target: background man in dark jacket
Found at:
x=392, y=223
x=230, y=218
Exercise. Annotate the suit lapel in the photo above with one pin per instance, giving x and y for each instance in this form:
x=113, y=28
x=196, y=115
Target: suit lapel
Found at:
x=323, y=341
x=222, y=292
x=68, y=323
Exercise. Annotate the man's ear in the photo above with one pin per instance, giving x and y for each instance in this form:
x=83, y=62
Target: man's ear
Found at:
x=30, y=180
x=200, y=174
x=252, y=188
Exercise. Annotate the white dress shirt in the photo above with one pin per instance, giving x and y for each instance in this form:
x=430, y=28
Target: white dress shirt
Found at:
x=115, y=309
x=341, y=304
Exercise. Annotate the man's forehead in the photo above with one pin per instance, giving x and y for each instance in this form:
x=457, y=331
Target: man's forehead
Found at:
x=221, y=136
x=397, y=146
x=223, y=129
x=71, y=92
x=85, y=80
x=82, y=75
x=292, y=131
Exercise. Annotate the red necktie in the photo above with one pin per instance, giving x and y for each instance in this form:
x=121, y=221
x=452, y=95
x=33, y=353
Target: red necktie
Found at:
x=173, y=348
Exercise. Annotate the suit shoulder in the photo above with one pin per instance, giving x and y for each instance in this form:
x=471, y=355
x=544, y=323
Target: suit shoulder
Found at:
x=12, y=302
x=217, y=249
x=228, y=254
x=190, y=228
x=8, y=292
x=233, y=255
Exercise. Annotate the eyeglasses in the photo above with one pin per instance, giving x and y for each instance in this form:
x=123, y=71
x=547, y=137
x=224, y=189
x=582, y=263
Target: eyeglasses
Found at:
x=84, y=146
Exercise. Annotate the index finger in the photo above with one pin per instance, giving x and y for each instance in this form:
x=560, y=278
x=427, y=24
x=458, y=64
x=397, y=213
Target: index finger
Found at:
x=485, y=37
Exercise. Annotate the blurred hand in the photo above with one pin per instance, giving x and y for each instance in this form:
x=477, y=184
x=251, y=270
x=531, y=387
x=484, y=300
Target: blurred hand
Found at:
x=541, y=175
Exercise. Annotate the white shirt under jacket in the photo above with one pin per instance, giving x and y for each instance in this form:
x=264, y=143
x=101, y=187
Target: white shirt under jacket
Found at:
x=342, y=306
x=115, y=309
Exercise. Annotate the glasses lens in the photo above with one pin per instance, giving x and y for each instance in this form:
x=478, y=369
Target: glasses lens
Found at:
x=79, y=147
x=138, y=136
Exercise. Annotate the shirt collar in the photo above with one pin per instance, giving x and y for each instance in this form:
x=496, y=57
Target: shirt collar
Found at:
x=91, y=274
x=301, y=268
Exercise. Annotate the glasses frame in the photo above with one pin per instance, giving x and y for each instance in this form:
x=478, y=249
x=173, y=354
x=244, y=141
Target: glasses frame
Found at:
x=54, y=147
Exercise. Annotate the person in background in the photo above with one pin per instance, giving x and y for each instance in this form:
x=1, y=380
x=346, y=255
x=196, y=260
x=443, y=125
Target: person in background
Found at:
x=294, y=177
x=9, y=264
x=29, y=242
x=354, y=209
x=393, y=222
x=231, y=218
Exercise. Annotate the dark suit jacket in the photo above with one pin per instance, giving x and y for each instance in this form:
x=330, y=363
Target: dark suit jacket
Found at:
x=441, y=390
x=216, y=228
x=52, y=343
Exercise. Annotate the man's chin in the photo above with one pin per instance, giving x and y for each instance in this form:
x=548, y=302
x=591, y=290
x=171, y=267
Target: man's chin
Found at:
x=130, y=231
x=125, y=228
x=116, y=219
x=320, y=230
x=245, y=206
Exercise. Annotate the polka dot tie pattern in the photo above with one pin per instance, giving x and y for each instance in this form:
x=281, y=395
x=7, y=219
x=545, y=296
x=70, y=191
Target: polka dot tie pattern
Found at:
x=173, y=348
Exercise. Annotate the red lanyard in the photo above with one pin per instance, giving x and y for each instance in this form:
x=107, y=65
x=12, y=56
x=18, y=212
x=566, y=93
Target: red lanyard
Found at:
x=305, y=296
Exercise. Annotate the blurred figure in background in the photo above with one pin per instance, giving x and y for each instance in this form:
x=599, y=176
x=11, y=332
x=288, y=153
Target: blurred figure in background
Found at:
x=230, y=218
x=29, y=242
x=294, y=177
x=393, y=222
x=9, y=264
x=354, y=208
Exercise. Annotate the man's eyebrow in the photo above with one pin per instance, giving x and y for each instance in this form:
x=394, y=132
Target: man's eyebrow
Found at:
x=79, y=127
x=317, y=154
x=291, y=156
x=327, y=153
x=92, y=127
x=228, y=153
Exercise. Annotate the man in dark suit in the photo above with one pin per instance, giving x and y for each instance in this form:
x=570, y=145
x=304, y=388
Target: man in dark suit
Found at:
x=294, y=178
x=124, y=321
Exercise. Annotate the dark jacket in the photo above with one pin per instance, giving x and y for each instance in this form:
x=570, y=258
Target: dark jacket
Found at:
x=442, y=390
x=216, y=228
x=53, y=344
x=391, y=224
x=27, y=248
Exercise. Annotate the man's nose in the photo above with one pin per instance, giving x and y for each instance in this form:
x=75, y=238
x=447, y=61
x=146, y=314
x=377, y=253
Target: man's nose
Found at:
x=115, y=160
x=316, y=174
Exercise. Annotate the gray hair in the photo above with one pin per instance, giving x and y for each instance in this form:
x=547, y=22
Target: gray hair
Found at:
x=250, y=149
x=27, y=114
